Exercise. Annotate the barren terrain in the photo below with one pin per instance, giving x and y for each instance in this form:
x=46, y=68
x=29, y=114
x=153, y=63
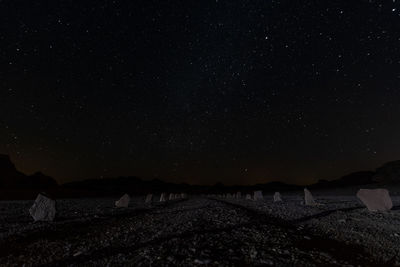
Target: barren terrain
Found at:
x=201, y=231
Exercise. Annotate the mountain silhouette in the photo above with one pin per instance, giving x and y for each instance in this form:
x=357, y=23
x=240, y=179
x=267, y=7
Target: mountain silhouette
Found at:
x=17, y=185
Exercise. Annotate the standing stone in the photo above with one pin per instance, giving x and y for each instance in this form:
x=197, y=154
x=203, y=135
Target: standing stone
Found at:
x=308, y=198
x=149, y=198
x=375, y=199
x=176, y=196
x=171, y=196
x=258, y=195
x=248, y=196
x=44, y=209
x=123, y=202
x=183, y=196
x=277, y=197
x=163, y=197
x=238, y=195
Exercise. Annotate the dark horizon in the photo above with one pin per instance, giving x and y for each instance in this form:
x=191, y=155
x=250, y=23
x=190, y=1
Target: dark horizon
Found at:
x=224, y=91
x=178, y=181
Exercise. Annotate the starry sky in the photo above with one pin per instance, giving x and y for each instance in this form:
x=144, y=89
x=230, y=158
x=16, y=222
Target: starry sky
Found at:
x=240, y=92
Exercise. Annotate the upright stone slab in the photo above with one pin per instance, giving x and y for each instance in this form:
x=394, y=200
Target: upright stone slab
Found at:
x=149, y=198
x=171, y=196
x=123, y=202
x=277, y=197
x=308, y=198
x=238, y=195
x=163, y=197
x=43, y=209
x=258, y=195
x=248, y=196
x=375, y=199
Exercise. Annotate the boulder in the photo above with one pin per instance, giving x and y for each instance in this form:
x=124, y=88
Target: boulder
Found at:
x=177, y=196
x=149, y=198
x=123, y=202
x=277, y=197
x=163, y=197
x=183, y=196
x=238, y=195
x=375, y=199
x=44, y=208
x=171, y=196
x=258, y=195
x=248, y=196
x=308, y=198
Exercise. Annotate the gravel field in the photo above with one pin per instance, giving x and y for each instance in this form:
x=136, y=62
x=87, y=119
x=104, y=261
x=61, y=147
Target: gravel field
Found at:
x=201, y=231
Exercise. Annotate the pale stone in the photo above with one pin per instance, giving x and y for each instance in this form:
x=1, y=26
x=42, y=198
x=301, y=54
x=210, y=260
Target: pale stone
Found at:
x=123, y=202
x=43, y=209
x=308, y=198
x=375, y=199
x=277, y=197
x=248, y=196
x=258, y=195
x=149, y=198
x=163, y=197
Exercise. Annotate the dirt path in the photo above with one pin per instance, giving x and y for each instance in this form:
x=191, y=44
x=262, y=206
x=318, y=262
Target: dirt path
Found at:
x=192, y=232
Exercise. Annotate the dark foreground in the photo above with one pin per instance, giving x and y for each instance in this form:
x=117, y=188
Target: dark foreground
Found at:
x=189, y=232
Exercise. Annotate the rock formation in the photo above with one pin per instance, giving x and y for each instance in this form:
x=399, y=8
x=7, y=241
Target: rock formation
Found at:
x=277, y=197
x=149, y=198
x=375, y=199
x=258, y=195
x=123, y=202
x=44, y=208
x=308, y=198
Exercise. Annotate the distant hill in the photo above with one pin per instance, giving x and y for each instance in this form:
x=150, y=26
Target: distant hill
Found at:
x=389, y=173
x=9, y=176
x=356, y=178
x=16, y=185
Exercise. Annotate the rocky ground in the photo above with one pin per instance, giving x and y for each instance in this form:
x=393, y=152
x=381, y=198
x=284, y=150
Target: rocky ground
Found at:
x=201, y=231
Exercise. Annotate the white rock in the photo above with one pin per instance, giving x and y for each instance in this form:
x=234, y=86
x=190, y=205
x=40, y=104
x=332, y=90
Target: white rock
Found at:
x=149, y=198
x=277, y=197
x=375, y=199
x=308, y=198
x=258, y=195
x=248, y=196
x=123, y=202
x=44, y=209
x=163, y=197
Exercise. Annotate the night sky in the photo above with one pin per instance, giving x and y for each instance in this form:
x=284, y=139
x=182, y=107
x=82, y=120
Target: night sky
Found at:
x=240, y=92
